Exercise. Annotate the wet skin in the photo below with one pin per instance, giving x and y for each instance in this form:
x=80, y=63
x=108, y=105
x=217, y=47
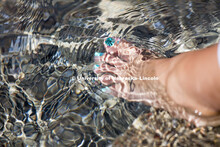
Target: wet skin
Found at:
x=178, y=87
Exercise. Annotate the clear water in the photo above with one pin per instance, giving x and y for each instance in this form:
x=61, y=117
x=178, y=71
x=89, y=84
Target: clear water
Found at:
x=46, y=44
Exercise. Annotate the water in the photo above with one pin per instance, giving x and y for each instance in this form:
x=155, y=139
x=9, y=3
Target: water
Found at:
x=46, y=44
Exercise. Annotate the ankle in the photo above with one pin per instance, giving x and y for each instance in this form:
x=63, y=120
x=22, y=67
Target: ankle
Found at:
x=163, y=67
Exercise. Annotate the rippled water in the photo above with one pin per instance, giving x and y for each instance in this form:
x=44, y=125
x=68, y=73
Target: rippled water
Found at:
x=46, y=44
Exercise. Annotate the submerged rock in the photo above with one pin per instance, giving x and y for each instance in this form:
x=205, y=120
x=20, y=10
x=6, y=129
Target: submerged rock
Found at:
x=158, y=128
x=46, y=45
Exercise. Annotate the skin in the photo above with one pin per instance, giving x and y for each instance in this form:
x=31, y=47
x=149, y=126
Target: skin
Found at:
x=193, y=80
x=188, y=84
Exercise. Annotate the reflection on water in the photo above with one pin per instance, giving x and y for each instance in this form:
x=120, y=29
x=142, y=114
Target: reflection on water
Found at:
x=46, y=44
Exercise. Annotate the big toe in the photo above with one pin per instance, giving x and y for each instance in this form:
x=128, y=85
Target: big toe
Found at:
x=121, y=48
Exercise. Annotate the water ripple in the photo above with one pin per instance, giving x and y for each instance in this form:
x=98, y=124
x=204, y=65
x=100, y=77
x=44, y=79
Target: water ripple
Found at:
x=45, y=45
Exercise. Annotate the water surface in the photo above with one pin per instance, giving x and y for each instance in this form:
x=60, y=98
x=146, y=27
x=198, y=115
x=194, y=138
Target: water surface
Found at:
x=46, y=44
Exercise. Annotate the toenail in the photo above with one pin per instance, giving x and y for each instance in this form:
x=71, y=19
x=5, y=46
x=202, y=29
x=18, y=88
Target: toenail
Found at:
x=98, y=54
x=110, y=41
x=105, y=89
x=96, y=66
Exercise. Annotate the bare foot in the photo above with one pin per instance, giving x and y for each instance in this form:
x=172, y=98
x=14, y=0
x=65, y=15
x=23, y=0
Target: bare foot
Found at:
x=125, y=71
x=130, y=74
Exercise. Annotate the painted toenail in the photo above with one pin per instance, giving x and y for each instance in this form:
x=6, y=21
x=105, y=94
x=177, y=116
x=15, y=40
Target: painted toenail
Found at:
x=96, y=66
x=110, y=41
x=106, y=89
x=98, y=54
